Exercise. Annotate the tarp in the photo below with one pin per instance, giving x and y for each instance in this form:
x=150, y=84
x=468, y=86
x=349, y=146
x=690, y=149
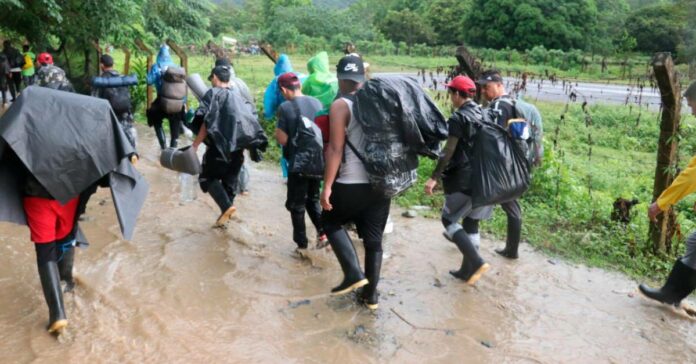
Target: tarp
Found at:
x=231, y=121
x=320, y=83
x=68, y=142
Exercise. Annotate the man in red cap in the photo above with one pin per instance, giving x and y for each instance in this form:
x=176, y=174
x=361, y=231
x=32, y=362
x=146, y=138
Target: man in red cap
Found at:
x=50, y=75
x=454, y=167
x=303, y=192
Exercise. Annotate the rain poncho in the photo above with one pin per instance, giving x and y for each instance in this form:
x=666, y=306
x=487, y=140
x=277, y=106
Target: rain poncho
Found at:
x=68, y=142
x=272, y=98
x=320, y=83
x=400, y=122
x=164, y=60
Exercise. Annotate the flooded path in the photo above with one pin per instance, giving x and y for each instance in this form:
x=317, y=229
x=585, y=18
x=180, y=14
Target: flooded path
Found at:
x=181, y=292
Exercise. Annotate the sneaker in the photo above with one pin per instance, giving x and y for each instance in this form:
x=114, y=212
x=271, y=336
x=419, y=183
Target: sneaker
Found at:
x=322, y=241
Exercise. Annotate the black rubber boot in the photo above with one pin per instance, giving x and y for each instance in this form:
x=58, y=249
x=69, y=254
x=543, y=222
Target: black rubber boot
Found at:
x=222, y=199
x=159, y=132
x=353, y=277
x=373, y=266
x=65, y=267
x=299, y=229
x=174, y=132
x=473, y=265
x=680, y=283
x=514, y=234
x=50, y=281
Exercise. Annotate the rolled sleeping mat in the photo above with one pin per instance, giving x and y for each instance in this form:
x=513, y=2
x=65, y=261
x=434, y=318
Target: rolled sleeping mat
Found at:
x=182, y=160
x=196, y=84
x=107, y=82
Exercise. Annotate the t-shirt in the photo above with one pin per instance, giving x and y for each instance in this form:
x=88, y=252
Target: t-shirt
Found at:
x=457, y=175
x=287, y=119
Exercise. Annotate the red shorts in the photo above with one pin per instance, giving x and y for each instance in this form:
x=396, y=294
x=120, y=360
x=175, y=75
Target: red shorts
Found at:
x=48, y=220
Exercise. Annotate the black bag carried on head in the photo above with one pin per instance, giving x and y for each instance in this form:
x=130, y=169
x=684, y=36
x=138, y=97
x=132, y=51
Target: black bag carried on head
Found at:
x=306, y=148
x=173, y=90
x=500, y=170
x=400, y=122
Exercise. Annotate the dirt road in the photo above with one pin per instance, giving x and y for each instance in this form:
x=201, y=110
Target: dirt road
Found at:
x=181, y=292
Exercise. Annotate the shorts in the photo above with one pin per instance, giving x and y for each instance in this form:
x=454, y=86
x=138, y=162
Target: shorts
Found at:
x=48, y=220
x=458, y=206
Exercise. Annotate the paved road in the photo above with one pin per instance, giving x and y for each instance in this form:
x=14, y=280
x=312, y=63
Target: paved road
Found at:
x=593, y=93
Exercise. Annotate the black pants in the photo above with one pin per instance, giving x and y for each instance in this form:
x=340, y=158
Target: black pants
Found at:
x=303, y=195
x=361, y=205
x=15, y=84
x=156, y=116
x=215, y=167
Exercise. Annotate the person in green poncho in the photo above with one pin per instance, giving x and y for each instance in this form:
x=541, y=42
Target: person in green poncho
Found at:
x=28, y=68
x=321, y=83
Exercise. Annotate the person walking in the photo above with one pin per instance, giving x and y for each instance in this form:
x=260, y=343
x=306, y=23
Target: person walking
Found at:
x=455, y=167
x=681, y=281
x=302, y=192
x=158, y=111
x=28, y=68
x=119, y=98
x=16, y=61
x=347, y=194
x=501, y=108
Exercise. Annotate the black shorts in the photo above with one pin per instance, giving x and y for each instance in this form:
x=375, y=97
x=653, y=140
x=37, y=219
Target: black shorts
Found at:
x=359, y=204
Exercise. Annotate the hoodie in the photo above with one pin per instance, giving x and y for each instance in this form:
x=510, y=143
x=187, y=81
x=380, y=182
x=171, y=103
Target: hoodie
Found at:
x=272, y=98
x=164, y=60
x=321, y=83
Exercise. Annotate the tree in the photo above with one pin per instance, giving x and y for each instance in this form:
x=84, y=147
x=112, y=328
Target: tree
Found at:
x=270, y=7
x=656, y=28
x=610, y=35
x=523, y=24
x=407, y=26
x=184, y=21
x=447, y=19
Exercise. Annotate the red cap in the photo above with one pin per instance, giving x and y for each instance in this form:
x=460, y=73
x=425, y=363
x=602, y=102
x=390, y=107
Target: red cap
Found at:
x=288, y=79
x=463, y=84
x=45, y=58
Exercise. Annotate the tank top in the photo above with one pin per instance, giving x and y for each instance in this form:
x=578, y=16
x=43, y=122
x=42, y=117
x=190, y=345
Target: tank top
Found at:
x=352, y=170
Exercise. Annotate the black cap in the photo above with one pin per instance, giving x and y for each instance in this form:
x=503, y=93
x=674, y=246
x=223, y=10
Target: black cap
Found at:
x=106, y=60
x=223, y=73
x=351, y=67
x=490, y=76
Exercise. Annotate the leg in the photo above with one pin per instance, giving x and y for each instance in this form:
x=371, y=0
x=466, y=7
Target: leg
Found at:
x=174, y=129
x=17, y=79
x=313, y=209
x=456, y=206
x=155, y=117
x=514, y=229
x=471, y=226
x=371, y=227
x=49, y=274
x=295, y=203
x=681, y=280
x=13, y=91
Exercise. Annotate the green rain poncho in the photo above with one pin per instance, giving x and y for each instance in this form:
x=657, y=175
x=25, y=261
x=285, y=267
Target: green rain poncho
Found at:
x=321, y=83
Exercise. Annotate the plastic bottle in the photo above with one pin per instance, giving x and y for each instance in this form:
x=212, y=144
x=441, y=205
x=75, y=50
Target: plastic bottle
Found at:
x=187, y=184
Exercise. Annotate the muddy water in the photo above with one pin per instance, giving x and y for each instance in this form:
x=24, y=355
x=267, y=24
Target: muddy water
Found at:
x=181, y=292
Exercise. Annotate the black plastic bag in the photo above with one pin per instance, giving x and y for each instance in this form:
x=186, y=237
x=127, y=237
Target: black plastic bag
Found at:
x=306, y=148
x=500, y=169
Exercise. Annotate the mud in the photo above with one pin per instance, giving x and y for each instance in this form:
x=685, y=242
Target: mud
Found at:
x=182, y=292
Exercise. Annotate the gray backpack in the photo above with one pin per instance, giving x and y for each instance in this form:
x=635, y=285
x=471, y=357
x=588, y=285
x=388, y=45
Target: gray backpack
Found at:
x=173, y=90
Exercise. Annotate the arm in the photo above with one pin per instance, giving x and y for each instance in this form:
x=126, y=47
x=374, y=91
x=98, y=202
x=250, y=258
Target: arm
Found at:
x=684, y=184
x=445, y=157
x=202, y=133
x=339, y=116
x=281, y=137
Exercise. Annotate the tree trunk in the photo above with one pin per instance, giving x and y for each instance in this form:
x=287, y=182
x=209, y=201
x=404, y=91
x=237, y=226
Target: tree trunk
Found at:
x=662, y=232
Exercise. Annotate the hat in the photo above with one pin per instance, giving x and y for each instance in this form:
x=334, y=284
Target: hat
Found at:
x=351, y=67
x=45, y=58
x=223, y=73
x=690, y=92
x=490, y=76
x=463, y=84
x=288, y=80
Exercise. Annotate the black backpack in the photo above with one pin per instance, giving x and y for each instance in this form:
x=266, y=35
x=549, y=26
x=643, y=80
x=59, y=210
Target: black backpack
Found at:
x=306, y=147
x=118, y=97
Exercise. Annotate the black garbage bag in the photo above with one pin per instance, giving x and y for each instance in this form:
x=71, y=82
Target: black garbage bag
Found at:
x=68, y=142
x=231, y=122
x=400, y=122
x=306, y=148
x=500, y=170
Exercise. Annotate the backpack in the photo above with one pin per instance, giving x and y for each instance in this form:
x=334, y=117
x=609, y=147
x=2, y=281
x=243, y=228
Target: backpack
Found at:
x=119, y=98
x=306, y=147
x=173, y=90
x=524, y=128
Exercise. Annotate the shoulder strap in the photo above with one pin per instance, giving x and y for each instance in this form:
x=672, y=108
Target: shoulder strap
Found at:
x=355, y=151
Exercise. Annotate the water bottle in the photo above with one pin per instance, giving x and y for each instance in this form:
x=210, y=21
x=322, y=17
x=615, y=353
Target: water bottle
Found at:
x=187, y=184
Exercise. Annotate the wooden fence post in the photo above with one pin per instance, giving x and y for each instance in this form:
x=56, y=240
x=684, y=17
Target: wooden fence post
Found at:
x=126, y=62
x=662, y=232
x=139, y=43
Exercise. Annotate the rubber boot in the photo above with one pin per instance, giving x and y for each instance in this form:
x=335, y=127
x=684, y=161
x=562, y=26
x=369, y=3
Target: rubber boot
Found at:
x=353, y=277
x=50, y=281
x=373, y=266
x=65, y=267
x=680, y=283
x=473, y=267
x=174, y=132
x=159, y=132
x=222, y=199
x=514, y=233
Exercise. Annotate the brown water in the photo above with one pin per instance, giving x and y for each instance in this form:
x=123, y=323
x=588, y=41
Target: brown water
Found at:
x=181, y=292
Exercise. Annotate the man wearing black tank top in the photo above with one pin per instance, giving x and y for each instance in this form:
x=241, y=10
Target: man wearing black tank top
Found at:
x=347, y=195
